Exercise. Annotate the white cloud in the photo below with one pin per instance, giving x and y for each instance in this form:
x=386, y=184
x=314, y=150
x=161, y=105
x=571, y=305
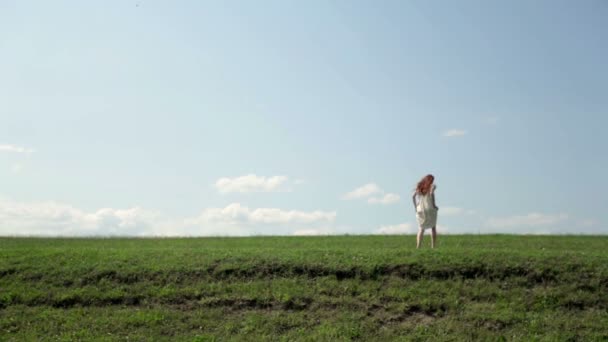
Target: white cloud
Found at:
x=17, y=168
x=529, y=220
x=363, y=192
x=368, y=191
x=236, y=219
x=454, y=133
x=386, y=199
x=311, y=232
x=235, y=214
x=251, y=183
x=15, y=149
x=56, y=219
x=441, y=229
x=404, y=228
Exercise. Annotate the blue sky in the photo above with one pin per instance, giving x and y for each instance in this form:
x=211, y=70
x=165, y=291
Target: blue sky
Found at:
x=309, y=117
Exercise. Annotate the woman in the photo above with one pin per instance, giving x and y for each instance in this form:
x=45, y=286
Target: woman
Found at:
x=426, y=210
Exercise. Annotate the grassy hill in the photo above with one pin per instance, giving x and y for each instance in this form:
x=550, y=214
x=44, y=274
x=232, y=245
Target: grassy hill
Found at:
x=364, y=288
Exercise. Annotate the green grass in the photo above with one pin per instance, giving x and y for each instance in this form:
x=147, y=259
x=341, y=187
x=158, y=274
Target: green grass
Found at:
x=366, y=288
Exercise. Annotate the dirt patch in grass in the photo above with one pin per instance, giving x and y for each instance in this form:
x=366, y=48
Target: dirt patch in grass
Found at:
x=414, y=315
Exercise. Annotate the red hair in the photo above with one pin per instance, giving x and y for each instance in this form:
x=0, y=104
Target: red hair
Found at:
x=424, y=186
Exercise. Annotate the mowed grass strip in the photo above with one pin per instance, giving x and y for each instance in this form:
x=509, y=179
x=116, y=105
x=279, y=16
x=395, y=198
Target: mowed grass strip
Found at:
x=305, y=288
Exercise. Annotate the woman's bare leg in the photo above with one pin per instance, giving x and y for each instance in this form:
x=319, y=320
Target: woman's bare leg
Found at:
x=433, y=237
x=419, y=237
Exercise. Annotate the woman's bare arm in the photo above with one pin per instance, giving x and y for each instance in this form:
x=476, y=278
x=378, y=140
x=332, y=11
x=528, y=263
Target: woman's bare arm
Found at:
x=414, y=200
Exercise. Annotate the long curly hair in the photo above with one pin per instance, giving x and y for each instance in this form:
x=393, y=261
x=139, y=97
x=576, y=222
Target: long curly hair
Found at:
x=424, y=186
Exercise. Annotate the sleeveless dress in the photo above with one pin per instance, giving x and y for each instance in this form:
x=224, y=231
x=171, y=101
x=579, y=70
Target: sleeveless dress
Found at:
x=426, y=214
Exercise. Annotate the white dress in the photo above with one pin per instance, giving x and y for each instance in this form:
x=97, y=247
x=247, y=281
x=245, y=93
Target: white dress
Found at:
x=426, y=213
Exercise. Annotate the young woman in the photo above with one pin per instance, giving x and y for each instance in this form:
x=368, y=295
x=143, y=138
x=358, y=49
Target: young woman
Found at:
x=426, y=210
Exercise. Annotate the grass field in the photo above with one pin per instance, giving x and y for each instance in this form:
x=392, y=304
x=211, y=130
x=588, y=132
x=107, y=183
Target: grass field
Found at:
x=305, y=288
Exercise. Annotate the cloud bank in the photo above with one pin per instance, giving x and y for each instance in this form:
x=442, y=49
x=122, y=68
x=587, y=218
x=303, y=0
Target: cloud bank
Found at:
x=363, y=192
x=15, y=149
x=58, y=219
x=236, y=214
x=53, y=219
x=251, y=183
x=404, y=228
x=454, y=133
x=529, y=220
x=369, y=190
